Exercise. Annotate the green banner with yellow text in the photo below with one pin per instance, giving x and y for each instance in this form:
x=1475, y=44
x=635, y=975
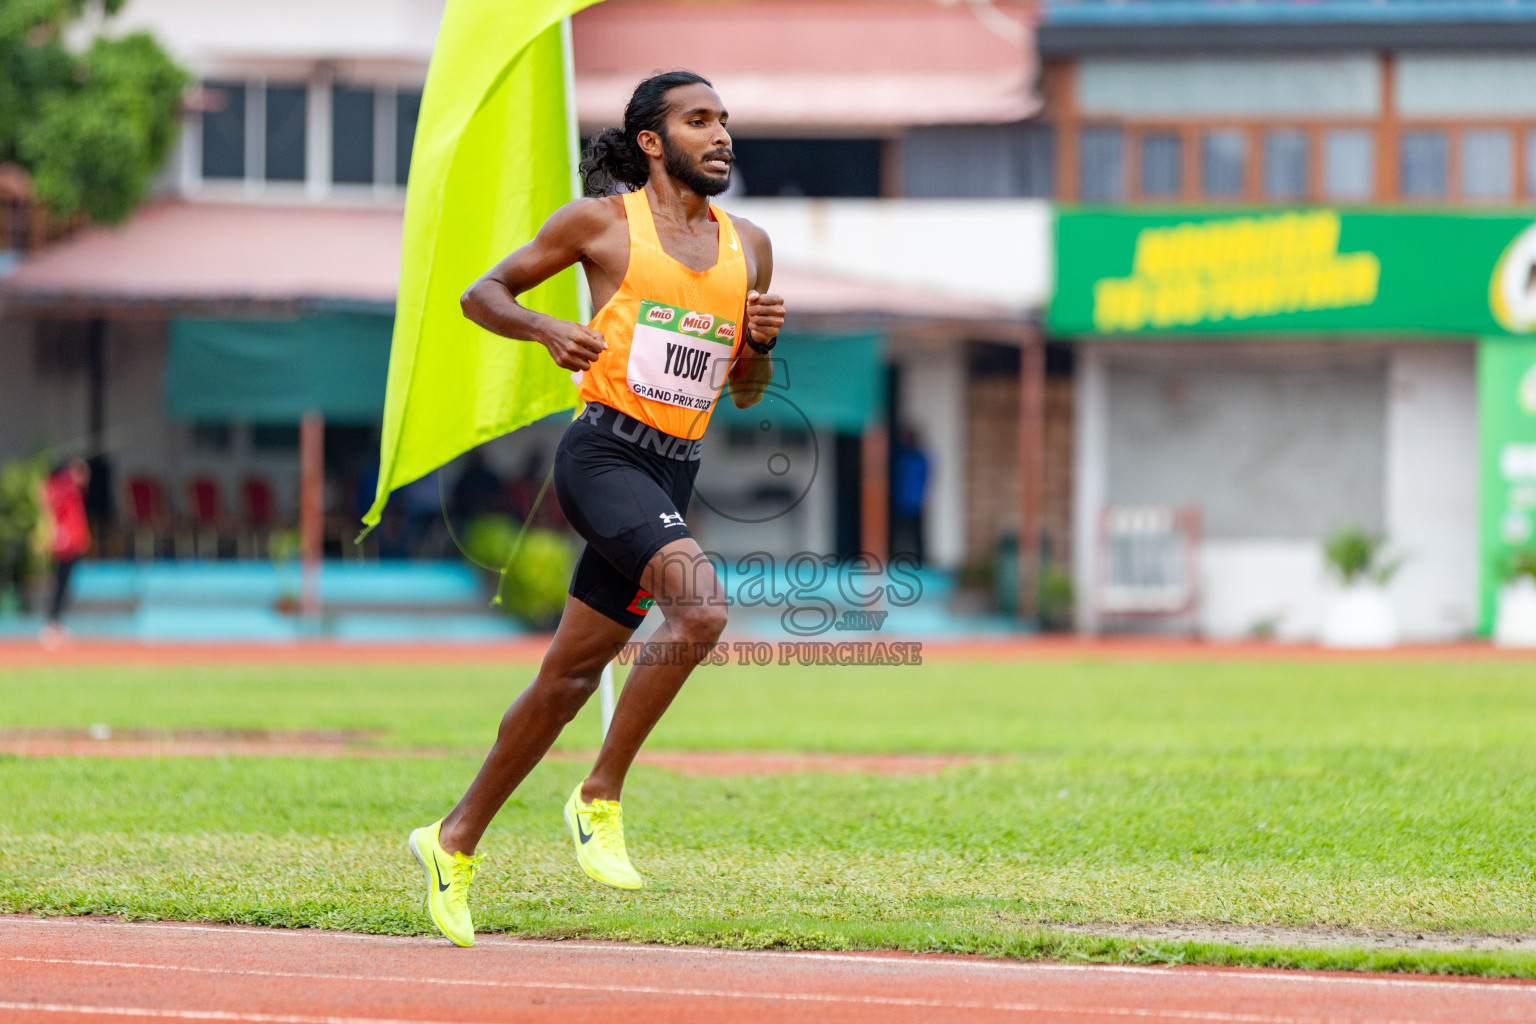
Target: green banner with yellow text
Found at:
x=1506, y=428
x=1307, y=270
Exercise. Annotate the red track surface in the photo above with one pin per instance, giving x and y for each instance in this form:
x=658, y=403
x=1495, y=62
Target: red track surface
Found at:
x=27, y=654
x=63, y=969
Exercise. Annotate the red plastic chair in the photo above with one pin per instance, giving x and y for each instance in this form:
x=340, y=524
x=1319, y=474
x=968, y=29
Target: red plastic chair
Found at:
x=205, y=503
x=148, y=515
x=258, y=516
x=259, y=504
x=207, y=514
x=146, y=498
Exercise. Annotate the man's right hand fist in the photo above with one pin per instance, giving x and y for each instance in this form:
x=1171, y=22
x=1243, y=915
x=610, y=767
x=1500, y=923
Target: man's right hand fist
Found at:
x=574, y=346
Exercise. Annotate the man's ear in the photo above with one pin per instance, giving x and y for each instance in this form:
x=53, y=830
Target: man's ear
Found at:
x=649, y=142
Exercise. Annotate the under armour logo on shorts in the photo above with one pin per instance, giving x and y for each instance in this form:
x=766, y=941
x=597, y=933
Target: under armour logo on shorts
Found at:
x=671, y=519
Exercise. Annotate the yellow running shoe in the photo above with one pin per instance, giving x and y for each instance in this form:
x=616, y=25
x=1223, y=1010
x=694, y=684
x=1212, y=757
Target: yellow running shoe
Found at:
x=448, y=878
x=597, y=829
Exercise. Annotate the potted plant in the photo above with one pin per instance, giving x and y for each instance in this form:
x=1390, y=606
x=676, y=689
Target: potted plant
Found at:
x=1514, y=621
x=1359, y=614
x=534, y=567
x=23, y=531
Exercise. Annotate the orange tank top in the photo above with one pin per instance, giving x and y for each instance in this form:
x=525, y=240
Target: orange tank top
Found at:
x=671, y=331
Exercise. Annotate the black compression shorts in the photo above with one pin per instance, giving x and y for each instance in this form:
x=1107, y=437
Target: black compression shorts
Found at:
x=625, y=487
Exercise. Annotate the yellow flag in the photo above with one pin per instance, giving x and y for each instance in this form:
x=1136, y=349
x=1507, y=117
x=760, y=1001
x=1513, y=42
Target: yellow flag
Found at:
x=492, y=159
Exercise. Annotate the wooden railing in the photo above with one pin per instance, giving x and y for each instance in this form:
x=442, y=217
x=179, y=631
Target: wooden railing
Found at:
x=26, y=226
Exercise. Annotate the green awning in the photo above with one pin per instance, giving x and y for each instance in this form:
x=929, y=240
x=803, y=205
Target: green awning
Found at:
x=834, y=379
x=276, y=370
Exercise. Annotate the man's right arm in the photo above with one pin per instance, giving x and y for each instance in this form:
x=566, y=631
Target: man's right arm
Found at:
x=492, y=302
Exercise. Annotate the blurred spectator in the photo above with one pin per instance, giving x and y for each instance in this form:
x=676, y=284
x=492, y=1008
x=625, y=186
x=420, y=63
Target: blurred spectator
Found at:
x=525, y=488
x=422, y=506
x=64, y=503
x=100, y=503
x=478, y=492
x=909, y=494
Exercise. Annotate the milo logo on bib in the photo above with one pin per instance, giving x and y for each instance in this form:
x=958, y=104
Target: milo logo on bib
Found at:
x=679, y=356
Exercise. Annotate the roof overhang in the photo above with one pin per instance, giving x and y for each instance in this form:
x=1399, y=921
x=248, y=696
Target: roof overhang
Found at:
x=782, y=66
x=184, y=256
x=1071, y=27
x=178, y=258
x=819, y=101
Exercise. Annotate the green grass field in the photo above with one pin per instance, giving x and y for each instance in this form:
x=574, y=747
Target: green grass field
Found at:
x=1368, y=794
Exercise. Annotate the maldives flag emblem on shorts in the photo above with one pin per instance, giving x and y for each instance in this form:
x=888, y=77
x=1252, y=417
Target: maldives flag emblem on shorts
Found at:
x=642, y=603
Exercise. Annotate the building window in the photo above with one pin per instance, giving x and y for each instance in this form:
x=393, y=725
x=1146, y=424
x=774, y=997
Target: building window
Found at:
x=224, y=130
x=1101, y=165
x=407, y=110
x=1223, y=160
x=1161, y=162
x=1349, y=164
x=1035, y=162
x=1487, y=164
x=287, y=121
x=212, y=438
x=1425, y=164
x=261, y=132
x=808, y=167
x=1286, y=159
x=1530, y=164
x=352, y=135
x=275, y=438
x=978, y=161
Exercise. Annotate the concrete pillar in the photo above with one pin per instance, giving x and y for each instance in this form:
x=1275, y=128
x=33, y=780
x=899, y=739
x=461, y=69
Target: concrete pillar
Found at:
x=1432, y=488
x=1090, y=477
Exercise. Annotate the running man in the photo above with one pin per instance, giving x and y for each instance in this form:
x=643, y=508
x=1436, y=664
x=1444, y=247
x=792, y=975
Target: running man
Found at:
x=681, y=291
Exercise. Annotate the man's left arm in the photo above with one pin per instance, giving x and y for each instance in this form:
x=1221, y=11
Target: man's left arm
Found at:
x=752, y=370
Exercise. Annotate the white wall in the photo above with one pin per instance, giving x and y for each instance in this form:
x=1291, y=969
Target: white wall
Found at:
x=1090, y=475
x=933, y=401
x=994, y=250
x=1432, y=488
x=1252, y=587
x=1280, y=440
x=1347, y=84
x=1465, y=84
x=729, y=474
x=1429, y=481
x=38, y=409
x=203, y=33
x=138, y=436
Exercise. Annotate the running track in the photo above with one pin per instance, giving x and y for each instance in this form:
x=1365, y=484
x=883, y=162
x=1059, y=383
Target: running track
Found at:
x=64, y=969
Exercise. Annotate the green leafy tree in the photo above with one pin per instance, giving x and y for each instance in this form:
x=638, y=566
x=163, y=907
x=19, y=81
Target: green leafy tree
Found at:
x=21, y=515
x=94, y=127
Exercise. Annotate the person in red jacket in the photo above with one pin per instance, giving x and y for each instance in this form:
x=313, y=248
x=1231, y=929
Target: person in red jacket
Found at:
x=64, y=500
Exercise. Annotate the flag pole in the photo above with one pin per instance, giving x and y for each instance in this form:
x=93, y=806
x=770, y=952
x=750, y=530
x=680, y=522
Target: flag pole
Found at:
x=573, y=149
x=605, y=696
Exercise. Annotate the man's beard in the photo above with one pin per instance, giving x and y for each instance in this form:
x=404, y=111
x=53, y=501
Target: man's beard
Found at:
x=690, y=174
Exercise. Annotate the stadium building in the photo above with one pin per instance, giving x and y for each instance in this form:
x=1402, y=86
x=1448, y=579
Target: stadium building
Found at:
x=1281, y=255
x=1266, y=235
x=256, y=287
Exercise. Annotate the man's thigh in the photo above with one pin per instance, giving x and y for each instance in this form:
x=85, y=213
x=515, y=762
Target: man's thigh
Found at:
x=680, y=574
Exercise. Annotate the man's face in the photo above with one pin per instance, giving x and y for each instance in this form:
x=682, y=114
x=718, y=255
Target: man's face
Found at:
x=695, y=146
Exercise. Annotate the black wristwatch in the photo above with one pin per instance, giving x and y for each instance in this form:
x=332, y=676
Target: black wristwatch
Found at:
x=759, y=347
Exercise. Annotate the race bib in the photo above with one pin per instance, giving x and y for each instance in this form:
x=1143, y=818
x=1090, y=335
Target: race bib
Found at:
x=678, y=356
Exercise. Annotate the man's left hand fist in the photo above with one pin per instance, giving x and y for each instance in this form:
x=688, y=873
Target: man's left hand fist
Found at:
x=765, y=315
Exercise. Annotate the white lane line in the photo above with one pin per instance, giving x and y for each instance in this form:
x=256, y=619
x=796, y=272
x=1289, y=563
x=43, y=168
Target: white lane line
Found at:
x=709, y=993
x=895, y=958
x=255, y=1018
